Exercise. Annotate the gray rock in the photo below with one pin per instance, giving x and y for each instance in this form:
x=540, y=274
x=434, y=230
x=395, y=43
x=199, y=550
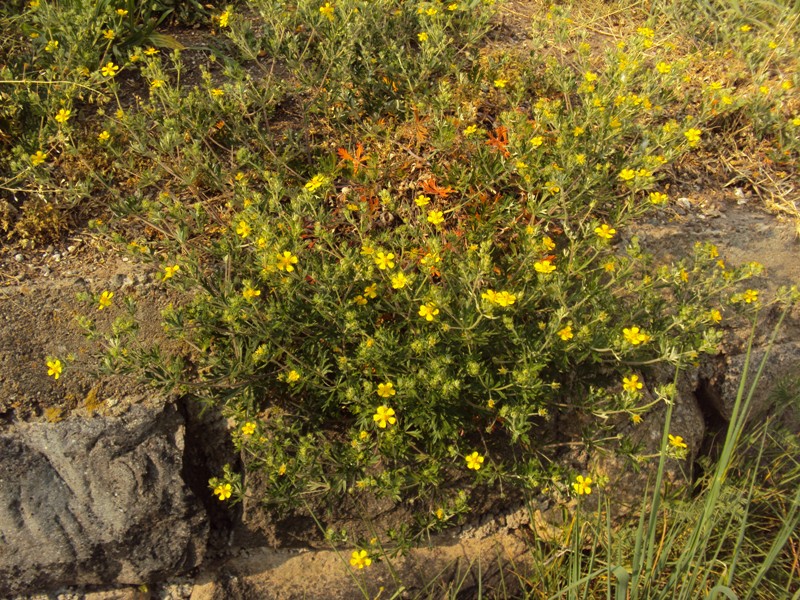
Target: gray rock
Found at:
x=781, y=369
x=98, y=501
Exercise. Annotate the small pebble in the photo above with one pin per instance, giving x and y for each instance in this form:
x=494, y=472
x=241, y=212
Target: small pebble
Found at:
x=19, y=257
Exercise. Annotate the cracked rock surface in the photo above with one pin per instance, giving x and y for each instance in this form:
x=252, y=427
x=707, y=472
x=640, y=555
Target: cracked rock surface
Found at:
x=97, y=501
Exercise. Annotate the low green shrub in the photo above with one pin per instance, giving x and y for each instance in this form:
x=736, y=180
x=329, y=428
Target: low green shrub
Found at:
x=405, y=256
x=405, y=316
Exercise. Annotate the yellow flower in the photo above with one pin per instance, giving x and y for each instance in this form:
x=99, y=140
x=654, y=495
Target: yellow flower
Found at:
x=786, y=85
x=635, y=336
x=109, y=70
x=548, y=243
x=422, y=200
x=157, y=83
x=360, y=300
x=399, y=280
x=676, y=441
x=327, y=11
x=33, y=4
x=470, y=130
x=367, y=250
x=631, y=384
x=249, y=293
x=589, y=76
x=435, y=217
x=286, y=261
x=505, y=299
x=63, y=115
x=605, y=232
x=580, y=159
x=453, y=6
x=224, y=18
x=243, y=229
x=431, y=258
x=248, y=428
x=38, y=158
x=745, y=28
x=636, y=418
x=109, y=34
x=292, y=376
x=316, y=182
x=384, y=416
x=151, y=51
x=578, y=131
x=499, y=298
x=359, y=559
x=474, y=461
x=500, y=83
x=796, y=122
x=750, y=296
x=103, y=136
x=217, y=92
x=54, y=368
x=282, y=469
x=566, y=333
x=422, y=36
x=122, y=12
x=105, y=300
x=431, y=11
x=537, y=141
x=693, y=136
x=627, y=174
x=715, y=315
x=386, y=390
x=764, y=89
x=170, y=271
x=51, y=46
x=223, y=491
x=663, y=68
x=384, y=261
x=645, y=32
x=544, y=266
x=428, y=311
x=582, y=485
x=658, y=198
x=371, y=290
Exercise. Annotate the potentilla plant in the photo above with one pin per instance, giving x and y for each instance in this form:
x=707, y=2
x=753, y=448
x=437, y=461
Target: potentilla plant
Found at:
x=407, y=304
x=358, y=352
